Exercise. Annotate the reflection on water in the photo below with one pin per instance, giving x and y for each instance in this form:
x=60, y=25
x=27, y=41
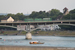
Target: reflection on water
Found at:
x=52, y=41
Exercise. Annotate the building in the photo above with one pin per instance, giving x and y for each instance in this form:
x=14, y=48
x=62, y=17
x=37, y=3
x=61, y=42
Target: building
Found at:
x=65, y=11
x=21, y=27
x=24, y=27
x=7, y=19
x=49, y=27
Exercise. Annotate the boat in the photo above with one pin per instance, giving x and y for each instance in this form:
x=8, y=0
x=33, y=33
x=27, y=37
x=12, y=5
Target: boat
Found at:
x=36, y=42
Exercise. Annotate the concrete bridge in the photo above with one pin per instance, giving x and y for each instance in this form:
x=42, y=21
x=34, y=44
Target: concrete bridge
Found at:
x=39, y=22
x=28, y=35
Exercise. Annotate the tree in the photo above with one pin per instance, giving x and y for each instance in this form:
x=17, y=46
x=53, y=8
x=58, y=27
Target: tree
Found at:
x=1, y=17
x=19, y=16
x=54, y=13
x=72, y=11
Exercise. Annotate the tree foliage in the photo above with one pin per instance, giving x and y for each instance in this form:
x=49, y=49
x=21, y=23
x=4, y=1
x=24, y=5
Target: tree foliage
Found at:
x=67, y=27
x=54, y=13
x=18, y=16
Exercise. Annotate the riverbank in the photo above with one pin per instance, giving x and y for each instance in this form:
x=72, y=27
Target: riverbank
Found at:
x=55, y=33
x=41, y=33
x=33, y=48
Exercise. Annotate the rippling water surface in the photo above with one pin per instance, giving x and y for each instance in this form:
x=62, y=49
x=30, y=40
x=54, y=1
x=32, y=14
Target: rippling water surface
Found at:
x=51, y=41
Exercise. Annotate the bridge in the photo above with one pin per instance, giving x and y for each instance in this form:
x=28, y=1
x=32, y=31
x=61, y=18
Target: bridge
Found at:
x=39, y=22
x=28, y=23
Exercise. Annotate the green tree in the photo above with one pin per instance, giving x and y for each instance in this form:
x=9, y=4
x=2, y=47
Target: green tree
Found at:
x=54, y=13
x=1, y=17
x=72, y=11
x=40, y=14
x=19, y=16
x=34, y=14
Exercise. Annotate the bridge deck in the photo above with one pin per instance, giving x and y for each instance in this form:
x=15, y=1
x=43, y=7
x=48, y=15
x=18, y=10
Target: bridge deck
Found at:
x=39, y=23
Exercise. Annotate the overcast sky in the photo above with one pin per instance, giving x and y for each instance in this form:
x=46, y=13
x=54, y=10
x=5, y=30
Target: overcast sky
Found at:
x=27, y=6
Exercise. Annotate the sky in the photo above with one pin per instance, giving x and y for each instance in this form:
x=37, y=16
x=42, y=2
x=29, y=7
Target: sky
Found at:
x=27, y=6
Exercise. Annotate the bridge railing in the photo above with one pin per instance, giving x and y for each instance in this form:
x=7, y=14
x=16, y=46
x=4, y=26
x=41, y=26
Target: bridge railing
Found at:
x=38, y=21
x=48, y=20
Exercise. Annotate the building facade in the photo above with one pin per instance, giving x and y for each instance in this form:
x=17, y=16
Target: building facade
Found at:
x=7, y=19
x=65, y=11
x=50, y=27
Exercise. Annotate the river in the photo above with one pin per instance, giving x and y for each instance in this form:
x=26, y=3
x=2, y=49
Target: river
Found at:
x=50, y=41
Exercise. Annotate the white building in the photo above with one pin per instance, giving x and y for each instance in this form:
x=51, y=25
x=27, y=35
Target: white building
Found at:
x=7, y=19
x=24, y=27
x=49, y=27
x=10, y=19
x=20, y=27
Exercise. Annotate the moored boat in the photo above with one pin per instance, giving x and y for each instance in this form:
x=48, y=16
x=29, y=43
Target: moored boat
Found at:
x=36, y=42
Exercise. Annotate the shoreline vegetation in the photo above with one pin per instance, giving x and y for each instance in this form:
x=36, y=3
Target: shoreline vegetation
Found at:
x=41, y=33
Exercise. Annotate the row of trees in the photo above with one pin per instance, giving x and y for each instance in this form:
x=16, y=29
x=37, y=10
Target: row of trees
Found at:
x=18, y=16
x=54, y=13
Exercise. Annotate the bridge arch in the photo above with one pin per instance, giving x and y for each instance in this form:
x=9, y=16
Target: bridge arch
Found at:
x=8, y=26
x=63, y=24
x=53, y=24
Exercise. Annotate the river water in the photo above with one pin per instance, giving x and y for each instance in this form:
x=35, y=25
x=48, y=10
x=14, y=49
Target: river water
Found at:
x=50, y=41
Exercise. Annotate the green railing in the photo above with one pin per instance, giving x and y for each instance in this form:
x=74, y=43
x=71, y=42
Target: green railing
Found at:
x=37, y=19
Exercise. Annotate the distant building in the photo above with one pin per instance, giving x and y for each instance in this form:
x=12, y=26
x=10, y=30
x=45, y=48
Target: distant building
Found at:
x=49, y=27
x=24, y=27
x=31, y=27
x=21, y=27
x=65, y=11
x=7, y=19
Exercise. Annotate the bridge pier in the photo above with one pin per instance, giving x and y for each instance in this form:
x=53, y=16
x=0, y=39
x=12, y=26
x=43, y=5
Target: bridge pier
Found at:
x=28, y=36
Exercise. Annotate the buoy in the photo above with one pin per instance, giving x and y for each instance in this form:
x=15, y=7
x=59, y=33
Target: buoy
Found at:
x=4, y=39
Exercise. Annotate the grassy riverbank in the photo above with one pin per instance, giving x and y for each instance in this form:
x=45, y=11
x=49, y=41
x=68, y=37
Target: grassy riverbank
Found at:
x=42, y=33
x=56, y=33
